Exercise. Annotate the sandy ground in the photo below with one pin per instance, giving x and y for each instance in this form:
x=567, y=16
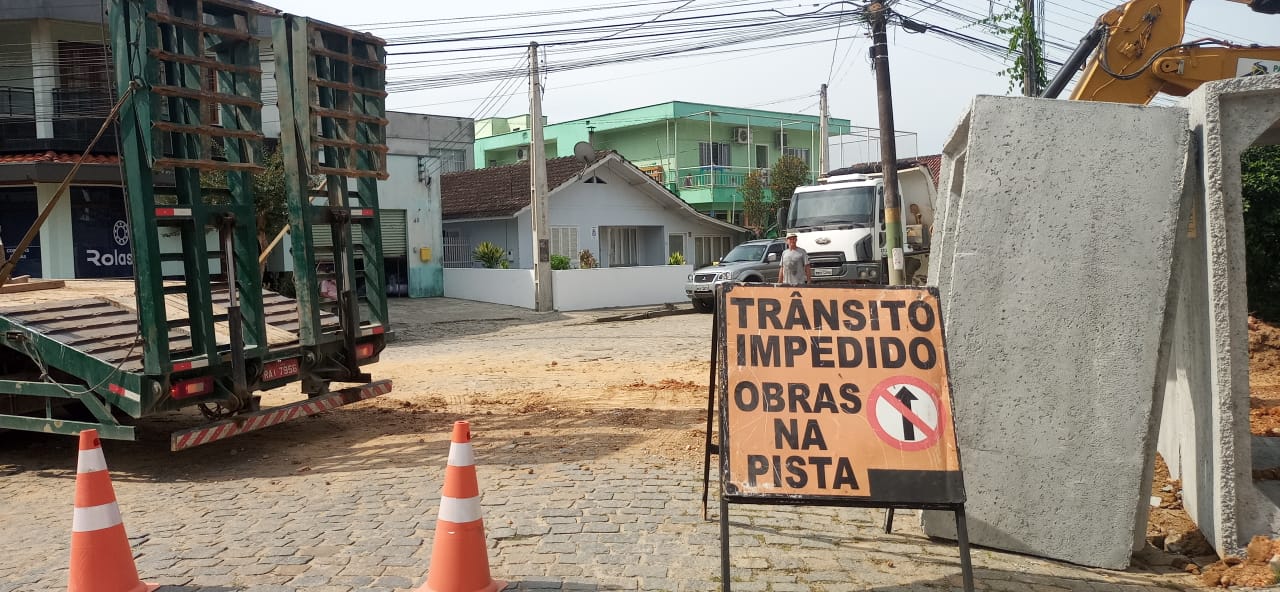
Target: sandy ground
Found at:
x=539, y=380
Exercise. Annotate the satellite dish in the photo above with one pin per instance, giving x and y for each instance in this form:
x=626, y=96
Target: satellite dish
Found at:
x=584, y=152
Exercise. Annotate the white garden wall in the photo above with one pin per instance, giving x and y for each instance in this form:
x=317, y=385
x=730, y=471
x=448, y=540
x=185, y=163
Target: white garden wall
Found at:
x=585, y=289
x=513, y=287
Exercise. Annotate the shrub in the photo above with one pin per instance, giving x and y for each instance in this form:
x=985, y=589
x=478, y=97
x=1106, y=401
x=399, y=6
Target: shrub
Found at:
x=676, y=259
x=586, y=260
x=559, y=262
x=491, y=256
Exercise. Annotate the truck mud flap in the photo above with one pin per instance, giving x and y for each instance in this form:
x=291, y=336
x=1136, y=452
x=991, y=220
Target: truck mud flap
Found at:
x=248, y=422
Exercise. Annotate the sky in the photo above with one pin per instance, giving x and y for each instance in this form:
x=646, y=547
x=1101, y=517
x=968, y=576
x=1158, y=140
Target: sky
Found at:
x=934, y=78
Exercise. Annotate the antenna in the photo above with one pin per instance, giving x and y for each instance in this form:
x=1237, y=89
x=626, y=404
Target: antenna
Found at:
x=584, y=152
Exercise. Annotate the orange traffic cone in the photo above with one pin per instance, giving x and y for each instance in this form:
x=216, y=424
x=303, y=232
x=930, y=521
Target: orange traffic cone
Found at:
x=101, y=560
x=460, y=557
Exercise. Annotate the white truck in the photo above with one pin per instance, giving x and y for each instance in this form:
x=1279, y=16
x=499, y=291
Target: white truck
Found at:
x=840, y=223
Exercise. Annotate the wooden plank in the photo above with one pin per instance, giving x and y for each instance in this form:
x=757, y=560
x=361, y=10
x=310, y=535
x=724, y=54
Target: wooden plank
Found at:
x=31, y=286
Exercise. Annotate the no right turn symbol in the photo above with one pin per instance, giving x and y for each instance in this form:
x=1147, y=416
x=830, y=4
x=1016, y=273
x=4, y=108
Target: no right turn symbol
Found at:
x=906, y=413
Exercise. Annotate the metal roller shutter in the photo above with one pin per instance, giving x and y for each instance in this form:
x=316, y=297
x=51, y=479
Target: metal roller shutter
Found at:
x=322, y=237
x=395, y=239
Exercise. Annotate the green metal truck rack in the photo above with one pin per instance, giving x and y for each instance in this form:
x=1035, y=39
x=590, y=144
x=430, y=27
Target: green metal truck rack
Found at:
x=195, y=328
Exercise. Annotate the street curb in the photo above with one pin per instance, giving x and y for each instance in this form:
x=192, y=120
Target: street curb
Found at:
x=650, y=314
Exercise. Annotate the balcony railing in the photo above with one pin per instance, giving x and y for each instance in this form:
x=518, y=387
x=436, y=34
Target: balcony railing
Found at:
x=711, y=177
x=76, y=116
x=708, y=177
x=17, y=113
x=78, y=113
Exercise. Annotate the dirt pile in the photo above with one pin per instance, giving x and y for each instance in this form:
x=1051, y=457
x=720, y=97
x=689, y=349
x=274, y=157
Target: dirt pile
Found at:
x=1264, y=383
x=1264, y=348
x=1169, y=529
x=1258, y=569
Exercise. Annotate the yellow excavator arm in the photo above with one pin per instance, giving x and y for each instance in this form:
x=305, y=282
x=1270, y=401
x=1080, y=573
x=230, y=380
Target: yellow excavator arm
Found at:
x=1140, y=53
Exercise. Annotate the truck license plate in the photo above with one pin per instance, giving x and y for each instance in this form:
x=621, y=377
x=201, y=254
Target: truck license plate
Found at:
x=280, y=369
x=824, y=271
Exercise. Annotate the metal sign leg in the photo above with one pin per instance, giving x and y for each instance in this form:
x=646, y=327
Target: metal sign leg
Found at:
x=711, y=408
x=962, y=537
x=888, y=521
x=724, y=542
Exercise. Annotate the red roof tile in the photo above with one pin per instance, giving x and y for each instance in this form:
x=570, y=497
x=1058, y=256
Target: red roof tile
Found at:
x=933, y=162
x=499, y=191
x=57, y=157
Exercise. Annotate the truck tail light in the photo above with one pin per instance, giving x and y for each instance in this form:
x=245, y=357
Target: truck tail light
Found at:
x=364, y=350
x=192, y=388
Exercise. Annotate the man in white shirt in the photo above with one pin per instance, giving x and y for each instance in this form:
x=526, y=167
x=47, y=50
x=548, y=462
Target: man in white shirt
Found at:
x=795, y=268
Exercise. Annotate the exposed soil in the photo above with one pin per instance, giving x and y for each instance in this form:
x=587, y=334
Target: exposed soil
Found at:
x=1264, y=382
x=1171, y=530
x=1254, y=571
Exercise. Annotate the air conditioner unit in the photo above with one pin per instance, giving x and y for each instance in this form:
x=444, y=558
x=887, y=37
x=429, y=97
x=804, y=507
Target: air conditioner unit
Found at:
x=780, y=138
x=522, y=154
x=742, y=135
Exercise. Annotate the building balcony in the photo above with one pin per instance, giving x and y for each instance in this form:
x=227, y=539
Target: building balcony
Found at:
x=65, y=121
x=716, y=177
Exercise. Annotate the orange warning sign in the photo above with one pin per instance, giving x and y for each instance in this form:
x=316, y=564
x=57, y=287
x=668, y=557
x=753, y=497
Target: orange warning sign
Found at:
x=836, y=393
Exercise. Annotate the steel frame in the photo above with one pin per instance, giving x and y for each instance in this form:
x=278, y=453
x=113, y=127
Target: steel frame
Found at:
x=182, y=58
x=331, y=84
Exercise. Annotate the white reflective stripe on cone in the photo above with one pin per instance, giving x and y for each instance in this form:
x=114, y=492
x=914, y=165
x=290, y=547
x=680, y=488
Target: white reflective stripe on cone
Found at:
x=95, y=517
x=461, y=455
x=91, y=461
x=453, y=509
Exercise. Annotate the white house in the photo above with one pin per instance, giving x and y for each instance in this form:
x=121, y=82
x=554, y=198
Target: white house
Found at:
x=608, y=207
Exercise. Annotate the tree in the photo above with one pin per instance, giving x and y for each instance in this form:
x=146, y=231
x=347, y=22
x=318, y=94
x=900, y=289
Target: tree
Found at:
x=787, y=174
x=1019, y=24
x=269, y=195
x=1260, y=176
x=758, y=210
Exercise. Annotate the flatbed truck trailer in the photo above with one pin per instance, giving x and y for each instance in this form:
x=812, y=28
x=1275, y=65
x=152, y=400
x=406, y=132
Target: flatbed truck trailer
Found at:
x=194, y=327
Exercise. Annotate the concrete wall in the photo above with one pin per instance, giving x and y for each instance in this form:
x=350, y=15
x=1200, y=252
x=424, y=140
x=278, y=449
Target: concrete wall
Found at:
x=421, y=202
x=1205, y=434
x=1054, y=294
x=421, y=134
x=585, y=289
x=513, y=287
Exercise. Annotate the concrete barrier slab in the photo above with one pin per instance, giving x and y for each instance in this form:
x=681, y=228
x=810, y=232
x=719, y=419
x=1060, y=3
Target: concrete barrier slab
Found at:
x=1057, y=243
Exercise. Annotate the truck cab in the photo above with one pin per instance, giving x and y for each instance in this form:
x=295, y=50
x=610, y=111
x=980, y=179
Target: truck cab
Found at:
x=840, y=223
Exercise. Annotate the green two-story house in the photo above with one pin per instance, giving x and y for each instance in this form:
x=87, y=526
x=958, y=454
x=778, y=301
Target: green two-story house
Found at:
x=701, y=152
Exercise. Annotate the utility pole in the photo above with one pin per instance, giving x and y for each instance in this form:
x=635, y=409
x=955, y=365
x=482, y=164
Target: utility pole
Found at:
x=824, y=156
x=878, y=15
x=1030, y=75
x=538, y=191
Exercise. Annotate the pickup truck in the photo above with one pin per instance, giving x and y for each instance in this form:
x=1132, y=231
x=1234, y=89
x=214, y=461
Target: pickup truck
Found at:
x=752, y=261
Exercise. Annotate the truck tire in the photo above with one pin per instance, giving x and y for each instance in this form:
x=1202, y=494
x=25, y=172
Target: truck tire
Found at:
x=704, y=306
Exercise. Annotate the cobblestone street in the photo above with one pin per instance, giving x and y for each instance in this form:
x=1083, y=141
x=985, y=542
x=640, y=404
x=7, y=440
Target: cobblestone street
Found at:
x=574, y=498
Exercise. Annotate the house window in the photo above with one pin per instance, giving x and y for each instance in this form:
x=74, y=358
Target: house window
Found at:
x=623, y=246
x=451, y=160
x=709, y=248
x=675, y=245
x=83, y=90
x=564, y=241
x=457, y=252
x=762, y=156
x=713, y=153
x=801, y=153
